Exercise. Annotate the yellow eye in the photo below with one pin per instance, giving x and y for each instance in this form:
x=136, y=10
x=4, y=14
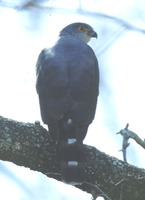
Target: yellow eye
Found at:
x=81, y=28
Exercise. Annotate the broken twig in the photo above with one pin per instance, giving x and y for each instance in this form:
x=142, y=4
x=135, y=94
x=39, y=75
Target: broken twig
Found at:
x=127, y=134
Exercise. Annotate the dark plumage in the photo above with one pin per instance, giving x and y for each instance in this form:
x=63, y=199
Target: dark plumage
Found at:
x=67, y=85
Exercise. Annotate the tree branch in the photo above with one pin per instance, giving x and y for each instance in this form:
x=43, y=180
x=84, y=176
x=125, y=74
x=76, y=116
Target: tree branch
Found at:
x=127, y=134
x=30, y=145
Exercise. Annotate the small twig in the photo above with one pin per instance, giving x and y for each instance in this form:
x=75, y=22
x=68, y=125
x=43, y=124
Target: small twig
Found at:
x=117, y=184
x=125, y=144
x=121, y=192
x=127, y=134
x=95, y=195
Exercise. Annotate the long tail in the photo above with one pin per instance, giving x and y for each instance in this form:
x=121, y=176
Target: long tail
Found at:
x=71, y=154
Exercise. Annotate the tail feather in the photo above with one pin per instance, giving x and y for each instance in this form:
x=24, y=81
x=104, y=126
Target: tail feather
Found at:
x=71, y=154
x=73, y=174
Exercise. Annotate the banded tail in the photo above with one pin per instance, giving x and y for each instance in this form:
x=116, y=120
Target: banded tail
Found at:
x=71, y=154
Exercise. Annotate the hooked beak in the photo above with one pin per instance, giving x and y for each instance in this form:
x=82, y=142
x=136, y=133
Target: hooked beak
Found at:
x=93, y=34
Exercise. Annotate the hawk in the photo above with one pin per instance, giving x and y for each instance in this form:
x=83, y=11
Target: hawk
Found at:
x=68, y=86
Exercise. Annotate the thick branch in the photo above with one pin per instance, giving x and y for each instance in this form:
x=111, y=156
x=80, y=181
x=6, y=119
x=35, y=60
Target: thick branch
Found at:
x=30, y=145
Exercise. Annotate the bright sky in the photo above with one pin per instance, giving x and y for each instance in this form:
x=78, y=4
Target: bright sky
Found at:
x=121, y=98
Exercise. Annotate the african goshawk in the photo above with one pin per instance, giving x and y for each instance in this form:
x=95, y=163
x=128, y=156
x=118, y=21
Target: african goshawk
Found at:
x=67, y=85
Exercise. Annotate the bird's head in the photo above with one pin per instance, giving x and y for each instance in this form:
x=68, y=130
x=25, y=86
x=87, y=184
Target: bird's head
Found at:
x=80, y=30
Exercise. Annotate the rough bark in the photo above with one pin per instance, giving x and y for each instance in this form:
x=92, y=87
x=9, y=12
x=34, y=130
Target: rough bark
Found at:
x=30, y=145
